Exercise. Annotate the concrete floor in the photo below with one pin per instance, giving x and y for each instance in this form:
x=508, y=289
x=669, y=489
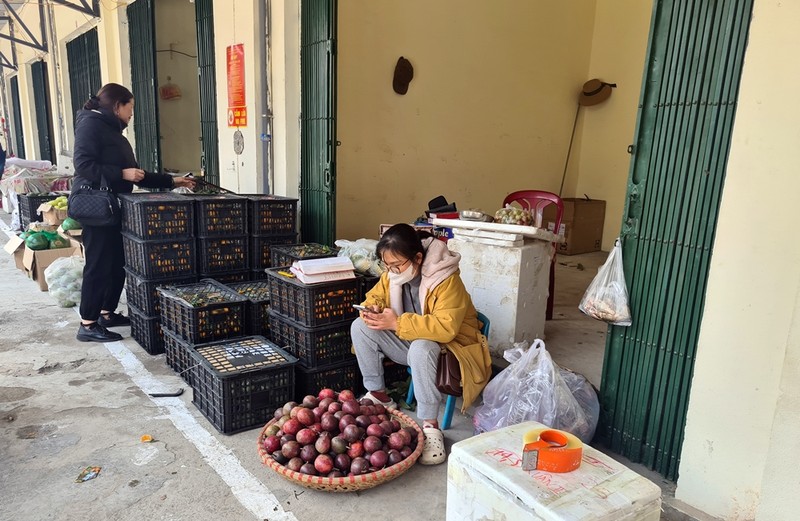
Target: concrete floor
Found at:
x=66, y=405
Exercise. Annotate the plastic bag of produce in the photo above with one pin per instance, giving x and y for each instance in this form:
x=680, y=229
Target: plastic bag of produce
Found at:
x=64, y=278
x=362, y=254
x=606, y=298
x=532, y=388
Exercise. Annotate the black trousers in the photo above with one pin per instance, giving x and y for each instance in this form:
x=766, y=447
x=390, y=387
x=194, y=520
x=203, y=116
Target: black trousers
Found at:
x=104, y=273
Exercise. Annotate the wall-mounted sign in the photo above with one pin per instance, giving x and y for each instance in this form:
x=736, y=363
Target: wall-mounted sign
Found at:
x=237, y=109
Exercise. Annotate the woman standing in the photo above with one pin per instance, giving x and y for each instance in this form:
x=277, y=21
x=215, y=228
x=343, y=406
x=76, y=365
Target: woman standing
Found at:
x=419, y=307
x=103, y=152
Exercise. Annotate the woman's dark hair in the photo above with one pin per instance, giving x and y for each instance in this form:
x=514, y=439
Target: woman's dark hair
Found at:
x=108, y=97
x=403, y=240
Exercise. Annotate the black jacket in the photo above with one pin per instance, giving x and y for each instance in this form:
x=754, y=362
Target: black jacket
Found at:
x=102, y=151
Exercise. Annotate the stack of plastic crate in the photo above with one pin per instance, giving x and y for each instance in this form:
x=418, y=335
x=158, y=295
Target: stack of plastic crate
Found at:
x=28, y=206
x=273, y=222
x=238, y=381
x=159, y=245
x=313, y=322
x=223, y=244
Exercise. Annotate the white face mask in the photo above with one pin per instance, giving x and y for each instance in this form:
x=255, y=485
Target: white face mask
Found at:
x=403, y=277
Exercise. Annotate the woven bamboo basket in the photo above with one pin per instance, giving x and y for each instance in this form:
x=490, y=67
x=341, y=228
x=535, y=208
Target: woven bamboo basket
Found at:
x=347, y=483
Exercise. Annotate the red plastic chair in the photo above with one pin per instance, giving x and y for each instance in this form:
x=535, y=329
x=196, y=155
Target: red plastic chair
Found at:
x=536, y=201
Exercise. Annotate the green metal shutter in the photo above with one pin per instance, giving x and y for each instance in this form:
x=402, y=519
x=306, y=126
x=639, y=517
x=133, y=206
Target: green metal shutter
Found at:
x=83, y=60
x=204, y=14
x=19, y=137
x=41, y=108
x=318, y=121
x=683, y=134
x=141, y=30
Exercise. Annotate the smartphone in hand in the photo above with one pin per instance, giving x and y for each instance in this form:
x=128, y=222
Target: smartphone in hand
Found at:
x=361, y=308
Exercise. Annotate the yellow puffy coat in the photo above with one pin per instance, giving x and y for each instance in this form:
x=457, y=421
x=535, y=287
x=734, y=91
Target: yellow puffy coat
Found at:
x=449, y=318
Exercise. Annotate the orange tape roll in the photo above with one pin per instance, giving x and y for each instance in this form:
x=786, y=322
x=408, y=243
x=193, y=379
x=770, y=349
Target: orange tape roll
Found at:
x=551, y=450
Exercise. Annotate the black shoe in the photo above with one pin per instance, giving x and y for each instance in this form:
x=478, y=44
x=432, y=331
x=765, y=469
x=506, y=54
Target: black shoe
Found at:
x=113, y=320
x=96, y=333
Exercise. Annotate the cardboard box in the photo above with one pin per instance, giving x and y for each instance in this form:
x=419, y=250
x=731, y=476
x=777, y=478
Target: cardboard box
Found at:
x=69, y=233
x=35, y=262
x=51, y=215
x=581, y=225
x=16, y=247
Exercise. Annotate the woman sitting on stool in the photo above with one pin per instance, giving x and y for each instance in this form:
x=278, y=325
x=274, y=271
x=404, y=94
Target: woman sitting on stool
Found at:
x=419, y=306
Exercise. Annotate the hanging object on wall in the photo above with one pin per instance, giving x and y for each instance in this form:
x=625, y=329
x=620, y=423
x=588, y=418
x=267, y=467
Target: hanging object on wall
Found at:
x=593, y=92
x=403, y=74
x=238, y=142
x=169, y=91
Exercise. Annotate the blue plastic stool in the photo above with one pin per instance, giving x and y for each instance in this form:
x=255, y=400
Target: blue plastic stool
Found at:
x=450, y=405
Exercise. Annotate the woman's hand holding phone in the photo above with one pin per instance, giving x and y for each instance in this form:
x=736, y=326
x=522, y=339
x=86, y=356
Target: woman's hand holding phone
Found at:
x=380, y=320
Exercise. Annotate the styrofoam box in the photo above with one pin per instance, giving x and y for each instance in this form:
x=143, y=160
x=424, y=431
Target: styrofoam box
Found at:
x=485, y=480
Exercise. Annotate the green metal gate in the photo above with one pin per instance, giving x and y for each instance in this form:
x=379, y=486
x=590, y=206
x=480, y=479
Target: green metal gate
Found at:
x=684, y=125
x=142, y=39
x=41, y=108
x=204, y=14
x=19, y=137
x=318, y=121
x=83, y=60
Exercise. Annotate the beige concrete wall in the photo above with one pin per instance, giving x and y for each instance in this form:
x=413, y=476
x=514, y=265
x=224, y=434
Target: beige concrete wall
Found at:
x=741, y=449
x=490, y=109
x=236, y=22
x=285, y=84
x=179, y=119
x=600, y=163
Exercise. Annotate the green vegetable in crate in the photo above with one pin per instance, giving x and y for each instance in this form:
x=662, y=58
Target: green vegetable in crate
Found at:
x=37, y=241
x=70, y=224
x=58, y=242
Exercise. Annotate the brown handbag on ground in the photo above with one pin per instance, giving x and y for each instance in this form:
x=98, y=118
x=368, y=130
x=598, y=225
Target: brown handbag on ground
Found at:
x=448, y=374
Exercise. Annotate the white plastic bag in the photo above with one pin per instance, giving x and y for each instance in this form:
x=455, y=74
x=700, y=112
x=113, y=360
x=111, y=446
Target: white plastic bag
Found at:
x=64, y=278
x=606, y=298
x=362, y=254
x=532, y=388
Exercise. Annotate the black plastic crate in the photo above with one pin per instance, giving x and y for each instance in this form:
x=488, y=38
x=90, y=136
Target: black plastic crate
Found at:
x=146, y=330
x=257, y=293
x=239, y=383
x=220, y=215
x=28, y=204
x=393, y=373
x=272, y=214
x=202, y=312
x=367, y=282
x=337, y=377
x=313, y=305
x=286, y=255
x=143, y=293
x=261, y=248
x=223, y=254
x=258, y=274
x=313, y=346
x=178, y=356
x=228, y=277
x=157, y=215
x=161, y=259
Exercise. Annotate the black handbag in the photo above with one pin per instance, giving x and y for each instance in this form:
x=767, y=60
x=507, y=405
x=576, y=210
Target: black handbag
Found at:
x=448, y=374
x=94, y=207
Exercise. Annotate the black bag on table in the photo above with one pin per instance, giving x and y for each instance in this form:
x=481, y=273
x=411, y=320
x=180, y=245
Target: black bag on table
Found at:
x=93, y=207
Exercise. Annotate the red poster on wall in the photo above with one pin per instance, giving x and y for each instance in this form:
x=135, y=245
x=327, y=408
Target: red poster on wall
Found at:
x=237, y=109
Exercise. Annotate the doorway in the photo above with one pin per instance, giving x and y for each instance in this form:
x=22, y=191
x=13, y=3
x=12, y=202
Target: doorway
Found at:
x=42, y=111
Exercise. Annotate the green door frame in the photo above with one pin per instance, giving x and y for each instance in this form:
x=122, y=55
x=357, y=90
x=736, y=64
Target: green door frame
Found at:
x=16, y=107
x=141, y=34
x=683, y=135
x=204, y=15
x=42, y=111
x=83, y=62
x=318, y=24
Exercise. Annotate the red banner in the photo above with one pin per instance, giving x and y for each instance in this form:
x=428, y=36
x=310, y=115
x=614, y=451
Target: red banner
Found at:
x=237, y=109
